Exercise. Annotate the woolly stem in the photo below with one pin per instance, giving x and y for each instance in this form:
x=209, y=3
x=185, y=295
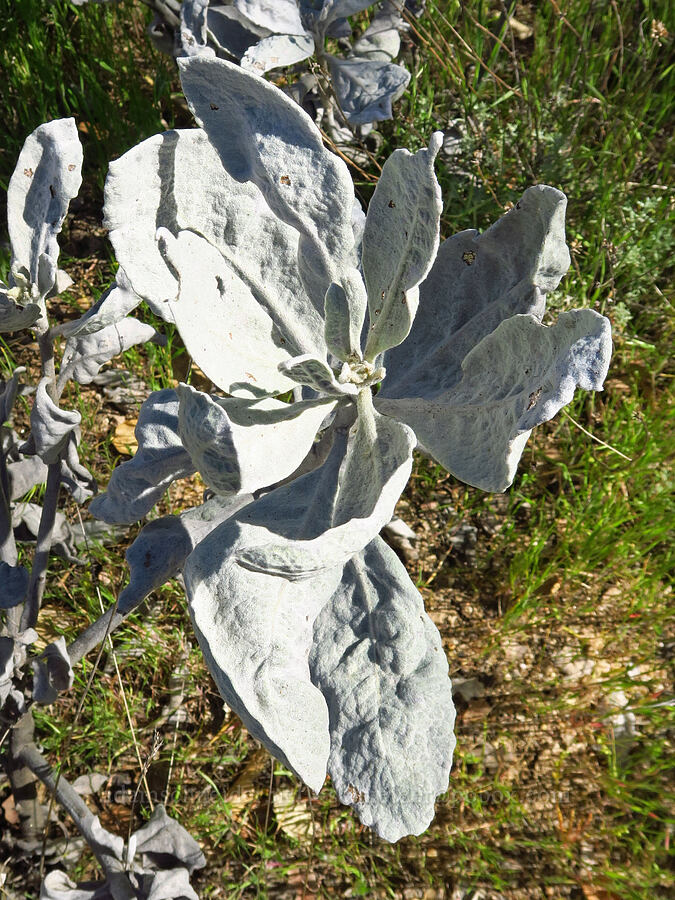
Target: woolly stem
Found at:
x=7, y=544
x=38, y=578
x=97, y=632
x=32, y=816
x=165, y=10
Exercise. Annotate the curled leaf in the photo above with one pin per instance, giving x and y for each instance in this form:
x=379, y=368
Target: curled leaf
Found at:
x=314, y=373
x=51, y=426
x=56, y=884
x=46, y=178
x=163, y=843
x=214, y=302
x=159, y=551
x=85, y=354
x=116, y=303
x=366, y=88
x=381, y=40
x=277, y=51
x=280, y=16
x=400, y=242
x=26, y=523
x=345, y=307
x=241, y=445
x=77, y=480
x=137, y=484
x=9, y=391
x=24, y=474
x=16, y=316
x=193, y=27
x=52, y=672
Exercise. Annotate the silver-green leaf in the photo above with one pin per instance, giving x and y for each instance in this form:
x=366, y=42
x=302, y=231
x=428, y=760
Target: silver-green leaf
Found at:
x=516, y=378
x=243, y=446
x=400, y=243
x=379, y=662
x=46, y=178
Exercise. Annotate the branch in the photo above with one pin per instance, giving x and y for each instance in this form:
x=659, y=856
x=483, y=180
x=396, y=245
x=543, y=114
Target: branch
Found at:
x=46, y=345
x=38, y=577
x=32, y=813
x=87, y=823
x=7, y=544
x=99, y=630
x=165, y=8
x=8, y=552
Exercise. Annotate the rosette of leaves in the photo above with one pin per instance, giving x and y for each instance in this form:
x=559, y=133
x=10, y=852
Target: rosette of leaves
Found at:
x=266, y=35
x=247, y=234
x=352, y=91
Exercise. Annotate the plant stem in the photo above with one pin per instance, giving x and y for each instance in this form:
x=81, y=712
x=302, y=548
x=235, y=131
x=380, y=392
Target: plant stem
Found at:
x=87, y=823
x=366, y=410
x=97, y=632
x=7, y=544
x=164, y=9
x=46, y=345
x=8, y=552
x=31, y=812
x=38, y=576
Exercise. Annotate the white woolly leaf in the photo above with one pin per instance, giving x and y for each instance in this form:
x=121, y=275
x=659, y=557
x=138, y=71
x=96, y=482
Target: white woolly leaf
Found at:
x=162, y=546
x=169, y=884
x=345, y=311
x=243, y=446
x=24, y=474
x=9, y=390
x=13, y=585
x=116, y=303
x=228, y=333
x=164, y=843
x=15, y=316
x=137, y=484
x=476, y=282
x=400, y=242
x=256, y=584
x=56, y=884
x=193, y=27
x=367, y=88
x=279, y=16
x=85, y=354
x=76, y=478
x=517, y=377
x=379, y=662
x=264, y=137
x=230, y=32
x=51, y=426
x=46, y=178
x=315, y=373
x=176, y=181
x=320, y=15
x=52, y=672
x=26, y=519
x=277, y=51
x=382, y=39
